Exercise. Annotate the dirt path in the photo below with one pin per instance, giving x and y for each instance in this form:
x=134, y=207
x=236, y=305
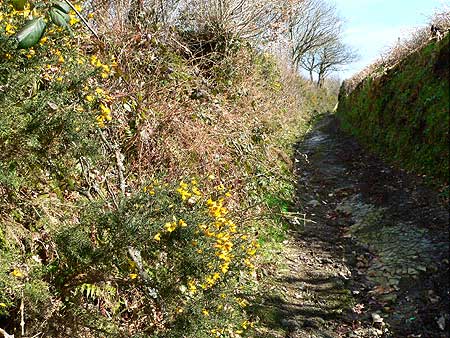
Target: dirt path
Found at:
x=368, y=251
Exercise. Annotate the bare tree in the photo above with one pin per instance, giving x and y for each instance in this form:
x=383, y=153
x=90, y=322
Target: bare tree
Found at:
x=114, y=14
x=238, y=18
x=326, y=59
x=312, y=24
x=309, y=62
x=153, y=11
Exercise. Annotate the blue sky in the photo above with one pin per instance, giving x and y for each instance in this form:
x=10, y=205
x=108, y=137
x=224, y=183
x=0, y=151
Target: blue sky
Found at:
x=373, y=25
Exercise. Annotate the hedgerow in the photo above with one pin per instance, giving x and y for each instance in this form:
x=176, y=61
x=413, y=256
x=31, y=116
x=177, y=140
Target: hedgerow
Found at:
x=136, y=180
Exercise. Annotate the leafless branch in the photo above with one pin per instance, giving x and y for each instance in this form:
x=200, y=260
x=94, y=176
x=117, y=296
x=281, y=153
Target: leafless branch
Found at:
x=6, y=334
x=312, y=24
x=239, y=18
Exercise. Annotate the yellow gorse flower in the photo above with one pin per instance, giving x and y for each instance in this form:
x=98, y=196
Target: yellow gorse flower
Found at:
x=104, y=109
x=17, y=273
x=216, y=239
x=170, y=226
x=10, y=29
x=192, y=286
x=43, y=40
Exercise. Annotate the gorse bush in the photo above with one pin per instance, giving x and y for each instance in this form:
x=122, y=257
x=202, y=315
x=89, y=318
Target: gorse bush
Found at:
x=163, y=255
x=46, y=125
x=91, y=244
x=47, y=116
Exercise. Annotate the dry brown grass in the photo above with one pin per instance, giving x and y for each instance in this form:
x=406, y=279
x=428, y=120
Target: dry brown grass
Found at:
x=199, y=112
x=245, y=107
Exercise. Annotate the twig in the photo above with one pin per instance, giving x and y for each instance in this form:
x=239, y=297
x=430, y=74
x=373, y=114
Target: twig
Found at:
x=37, y=335
x=307, y=220
x=22, y=315
x=186, y=49
x=6, y=334
x=82, y=19
x=113, y=196
x=85, y=171
x=119, y=161
x=105, y=141
x=135, y=255
x=290, y=259
x=120, y=169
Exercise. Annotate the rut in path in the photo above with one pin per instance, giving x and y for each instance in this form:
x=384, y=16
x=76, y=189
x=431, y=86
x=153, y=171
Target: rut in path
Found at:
x=367, y=254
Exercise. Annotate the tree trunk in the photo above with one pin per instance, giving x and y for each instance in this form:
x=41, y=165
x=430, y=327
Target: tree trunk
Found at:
x=319, y=80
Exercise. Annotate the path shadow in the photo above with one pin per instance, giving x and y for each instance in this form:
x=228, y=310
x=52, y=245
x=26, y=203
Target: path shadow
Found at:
x=322, y=288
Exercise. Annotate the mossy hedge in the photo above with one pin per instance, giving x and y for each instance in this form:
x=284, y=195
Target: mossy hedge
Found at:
x=404, y=114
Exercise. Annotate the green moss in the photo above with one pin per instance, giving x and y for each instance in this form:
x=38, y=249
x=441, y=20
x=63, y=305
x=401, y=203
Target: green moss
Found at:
x=404, y=115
